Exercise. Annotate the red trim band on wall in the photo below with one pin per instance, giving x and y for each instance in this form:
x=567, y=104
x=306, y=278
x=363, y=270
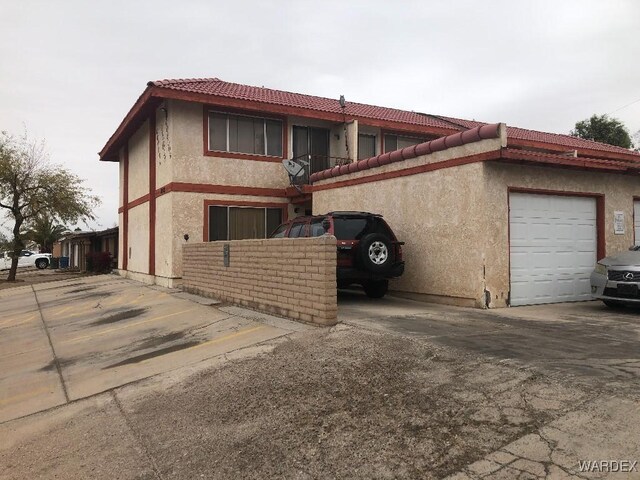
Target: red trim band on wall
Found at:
x=227, y=203
x=429, y=167
x=210, y=189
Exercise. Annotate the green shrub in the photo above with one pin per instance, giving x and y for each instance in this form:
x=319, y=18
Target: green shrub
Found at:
x=99, y=262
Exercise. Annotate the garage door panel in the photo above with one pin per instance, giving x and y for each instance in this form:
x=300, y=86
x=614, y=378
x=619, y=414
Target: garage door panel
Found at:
x=552, y=248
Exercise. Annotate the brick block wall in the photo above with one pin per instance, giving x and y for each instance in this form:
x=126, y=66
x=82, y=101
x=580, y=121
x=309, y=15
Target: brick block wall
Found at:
x=290, y=277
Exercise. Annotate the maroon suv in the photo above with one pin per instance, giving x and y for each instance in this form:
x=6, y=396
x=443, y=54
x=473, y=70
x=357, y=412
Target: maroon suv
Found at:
x=369, y=253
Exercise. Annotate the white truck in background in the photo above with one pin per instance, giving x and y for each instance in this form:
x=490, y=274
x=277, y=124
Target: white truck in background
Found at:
x=27, y=258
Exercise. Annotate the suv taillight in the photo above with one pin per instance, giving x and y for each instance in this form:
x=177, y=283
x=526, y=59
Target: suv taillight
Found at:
x=398, y=253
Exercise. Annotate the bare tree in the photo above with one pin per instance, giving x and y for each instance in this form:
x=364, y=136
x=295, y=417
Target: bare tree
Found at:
x=31, y=186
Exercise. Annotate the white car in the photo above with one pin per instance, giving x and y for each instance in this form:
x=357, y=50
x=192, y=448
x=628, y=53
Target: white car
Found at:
x=616, y=279
x=27, y=258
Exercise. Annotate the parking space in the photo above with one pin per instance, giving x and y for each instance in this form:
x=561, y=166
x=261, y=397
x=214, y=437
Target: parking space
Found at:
x=585, y=340
x=66, y=340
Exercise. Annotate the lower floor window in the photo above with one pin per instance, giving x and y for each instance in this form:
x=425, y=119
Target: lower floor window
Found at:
x=239, y=223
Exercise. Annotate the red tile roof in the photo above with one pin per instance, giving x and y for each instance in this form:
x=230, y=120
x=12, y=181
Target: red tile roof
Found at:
x=215, y=86
x=424, y=122
x=571, y=143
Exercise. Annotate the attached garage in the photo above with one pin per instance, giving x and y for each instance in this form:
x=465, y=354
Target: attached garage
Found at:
x=553, y=247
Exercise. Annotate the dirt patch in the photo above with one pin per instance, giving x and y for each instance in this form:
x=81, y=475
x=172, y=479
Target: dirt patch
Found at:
x=36, y=277
x=118, y=317
x=349, y=404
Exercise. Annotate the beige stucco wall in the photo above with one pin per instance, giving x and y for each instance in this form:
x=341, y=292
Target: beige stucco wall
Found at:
x=295, y=278
x=438, y=216
x=192, y=166
x=474, y=148
x=139, y=162
x=338, y=143
x=164, y=151
x=619, y=191
x=121, y=252
x=120, y=178
x=139, y=239
x=120, y=204
x=164, y=236
x=455, y=221
x=187, y=217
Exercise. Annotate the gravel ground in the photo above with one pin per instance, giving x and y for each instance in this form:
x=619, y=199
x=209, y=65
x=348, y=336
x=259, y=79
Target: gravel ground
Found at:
x=344, y=404
x=33, y=276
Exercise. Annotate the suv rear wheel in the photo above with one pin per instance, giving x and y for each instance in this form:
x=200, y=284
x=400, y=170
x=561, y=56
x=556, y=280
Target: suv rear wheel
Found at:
x=376, y=288
x=375, y=253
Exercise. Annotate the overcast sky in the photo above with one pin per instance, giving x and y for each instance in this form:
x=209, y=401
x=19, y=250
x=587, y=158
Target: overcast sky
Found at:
x=70, y=70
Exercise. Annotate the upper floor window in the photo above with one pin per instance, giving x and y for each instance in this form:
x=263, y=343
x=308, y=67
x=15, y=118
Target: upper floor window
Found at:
x=243, y=134
x=398, y=142
x=366, y=146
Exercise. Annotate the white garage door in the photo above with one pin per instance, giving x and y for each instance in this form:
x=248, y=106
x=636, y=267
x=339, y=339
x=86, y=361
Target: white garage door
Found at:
x=636, y=220
x=553, y=245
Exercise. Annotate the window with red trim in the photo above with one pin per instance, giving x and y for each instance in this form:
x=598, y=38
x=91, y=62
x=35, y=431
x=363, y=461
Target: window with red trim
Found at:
x=245, y=134
x=239, y=223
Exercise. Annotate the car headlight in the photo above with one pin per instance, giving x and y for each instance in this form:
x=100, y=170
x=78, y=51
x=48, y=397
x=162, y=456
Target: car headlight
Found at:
x=601, y=269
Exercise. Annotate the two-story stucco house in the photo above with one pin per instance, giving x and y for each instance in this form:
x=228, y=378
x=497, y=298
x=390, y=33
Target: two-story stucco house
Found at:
x=491, y=215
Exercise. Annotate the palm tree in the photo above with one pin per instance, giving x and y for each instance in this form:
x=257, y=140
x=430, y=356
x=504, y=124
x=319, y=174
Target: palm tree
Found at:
x=43, y=232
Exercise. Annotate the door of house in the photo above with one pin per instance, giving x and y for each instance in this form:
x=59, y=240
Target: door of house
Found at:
x=314, y=142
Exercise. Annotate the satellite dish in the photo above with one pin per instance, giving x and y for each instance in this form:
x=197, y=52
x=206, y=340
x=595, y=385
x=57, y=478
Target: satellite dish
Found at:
x=294, y=169
x=298, y=171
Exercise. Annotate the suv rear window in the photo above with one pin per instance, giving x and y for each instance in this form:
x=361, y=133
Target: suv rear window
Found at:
x=296, y=230
x=354, y=228
x=279, y=233
x=316, y=227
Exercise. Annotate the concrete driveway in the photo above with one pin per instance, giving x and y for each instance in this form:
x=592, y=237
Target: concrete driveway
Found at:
x=584, y=340
x=66, y=340
x=400, y=390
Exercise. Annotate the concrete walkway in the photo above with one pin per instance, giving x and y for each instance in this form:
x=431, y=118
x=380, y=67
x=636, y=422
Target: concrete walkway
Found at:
x=63, y=341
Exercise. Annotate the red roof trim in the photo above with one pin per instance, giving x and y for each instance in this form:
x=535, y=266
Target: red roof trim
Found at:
x=518, y=142
x=424, y=168
x=564, y=161
x=127, y=127
x=443, y=143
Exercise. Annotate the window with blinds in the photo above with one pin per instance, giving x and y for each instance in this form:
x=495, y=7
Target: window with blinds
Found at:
x=398, y=142
x=366, y=146
x=239, y=223
x=243, y=134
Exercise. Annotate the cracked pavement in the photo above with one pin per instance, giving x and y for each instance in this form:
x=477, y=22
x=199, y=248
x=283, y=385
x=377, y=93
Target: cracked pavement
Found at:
x=399, y=390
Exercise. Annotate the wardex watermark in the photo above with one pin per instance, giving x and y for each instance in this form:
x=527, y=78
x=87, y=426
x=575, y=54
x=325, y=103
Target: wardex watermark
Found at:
x=608, y=466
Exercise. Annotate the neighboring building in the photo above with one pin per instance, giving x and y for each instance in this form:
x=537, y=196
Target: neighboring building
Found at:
x=491, y=215
x=76, y=245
